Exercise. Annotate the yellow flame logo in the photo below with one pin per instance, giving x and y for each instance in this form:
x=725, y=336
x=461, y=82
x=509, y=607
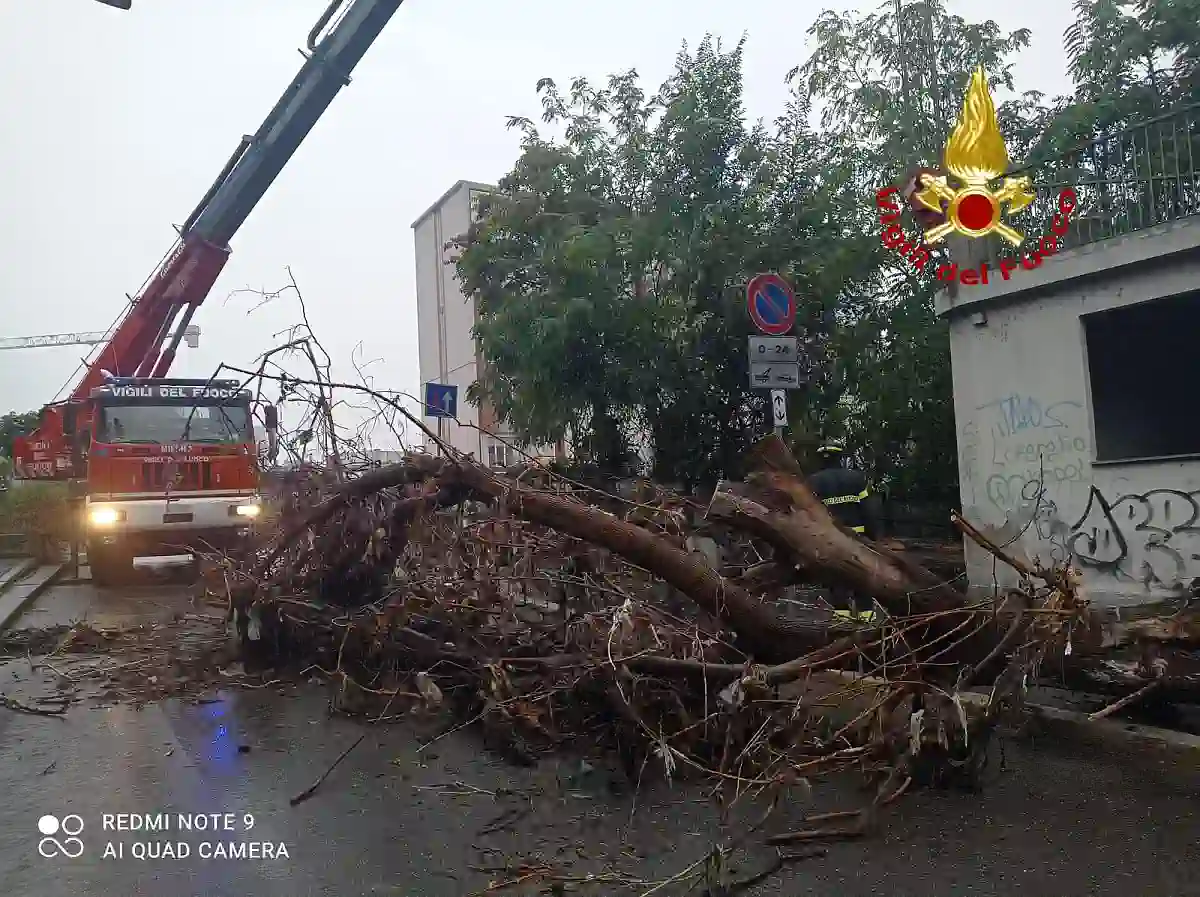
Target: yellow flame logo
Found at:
x=976, y=155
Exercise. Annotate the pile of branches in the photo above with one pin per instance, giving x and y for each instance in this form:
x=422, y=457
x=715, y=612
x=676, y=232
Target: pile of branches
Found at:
x=526, y=605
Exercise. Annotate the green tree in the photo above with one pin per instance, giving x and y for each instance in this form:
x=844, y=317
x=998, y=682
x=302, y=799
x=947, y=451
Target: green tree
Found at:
x=609, y=273
x=13, y=425
x=890, y=86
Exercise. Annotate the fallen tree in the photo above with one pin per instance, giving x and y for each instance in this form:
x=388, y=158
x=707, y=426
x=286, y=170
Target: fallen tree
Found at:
x=776, y=505
x=547, y=613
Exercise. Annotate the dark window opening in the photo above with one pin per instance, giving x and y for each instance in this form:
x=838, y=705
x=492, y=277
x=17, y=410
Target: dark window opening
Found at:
x=501, y=456
x=1144, y=364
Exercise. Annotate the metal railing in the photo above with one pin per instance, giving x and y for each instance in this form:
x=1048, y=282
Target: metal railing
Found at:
x=1136, y=178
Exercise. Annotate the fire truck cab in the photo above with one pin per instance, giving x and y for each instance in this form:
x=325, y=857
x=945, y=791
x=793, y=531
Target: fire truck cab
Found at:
x=164, y=467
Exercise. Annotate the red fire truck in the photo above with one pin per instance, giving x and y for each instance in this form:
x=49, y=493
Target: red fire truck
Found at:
x=160, y=464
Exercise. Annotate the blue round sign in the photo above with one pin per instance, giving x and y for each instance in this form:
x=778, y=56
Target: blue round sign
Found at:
x=771, y=304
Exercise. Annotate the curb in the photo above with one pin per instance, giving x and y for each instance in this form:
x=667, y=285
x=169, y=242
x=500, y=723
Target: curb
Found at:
x=1113, y=738
x=1039, y=725
x=17, y=573
x=15, y=600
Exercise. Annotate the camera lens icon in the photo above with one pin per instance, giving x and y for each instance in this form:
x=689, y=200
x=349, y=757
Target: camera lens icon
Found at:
x=70, y=846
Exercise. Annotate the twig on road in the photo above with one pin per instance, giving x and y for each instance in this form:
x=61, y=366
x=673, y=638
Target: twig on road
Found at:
x=1124, y=702
x=781, y=859
x=18, y=707
x=312, y=789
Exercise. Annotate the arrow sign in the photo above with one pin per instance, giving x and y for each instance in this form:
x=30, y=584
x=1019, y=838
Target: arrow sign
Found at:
x=441, y=400
x=778, y=408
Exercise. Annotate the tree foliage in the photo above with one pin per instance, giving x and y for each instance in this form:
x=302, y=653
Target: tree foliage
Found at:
x=608, y=272
x=13, y=425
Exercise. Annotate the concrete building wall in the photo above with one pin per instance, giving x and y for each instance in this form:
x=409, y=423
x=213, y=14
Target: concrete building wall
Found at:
x=383, y=457
x=1026, y=412
x=445, y=317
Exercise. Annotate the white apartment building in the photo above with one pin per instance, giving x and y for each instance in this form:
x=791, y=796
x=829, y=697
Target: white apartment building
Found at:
x=445, y=317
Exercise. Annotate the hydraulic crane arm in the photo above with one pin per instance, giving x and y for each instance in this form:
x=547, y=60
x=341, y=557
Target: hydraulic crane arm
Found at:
x=165, y=308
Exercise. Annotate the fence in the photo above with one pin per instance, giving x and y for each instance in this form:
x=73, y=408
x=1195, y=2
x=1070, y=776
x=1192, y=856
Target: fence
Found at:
x=1136, y=178
x=901, y=520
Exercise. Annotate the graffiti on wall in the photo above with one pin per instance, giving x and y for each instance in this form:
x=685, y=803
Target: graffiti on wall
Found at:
x=1025, y=462
x=1149, y=537
x=1018, y=448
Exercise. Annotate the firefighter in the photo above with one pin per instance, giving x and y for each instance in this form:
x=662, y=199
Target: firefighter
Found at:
x=844, y=491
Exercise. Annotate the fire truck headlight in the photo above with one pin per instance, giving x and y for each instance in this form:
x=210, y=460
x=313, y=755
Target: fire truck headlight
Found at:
x=102, y=516
x=248, y=510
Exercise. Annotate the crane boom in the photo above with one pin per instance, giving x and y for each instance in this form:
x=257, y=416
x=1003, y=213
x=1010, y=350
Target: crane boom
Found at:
x=259, y=159
x=85, y=338
x=185, y=279
x=145, y=341
x=93, y=338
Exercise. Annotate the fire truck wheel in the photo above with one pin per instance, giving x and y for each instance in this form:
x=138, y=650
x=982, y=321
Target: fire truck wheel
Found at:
x=110, y=565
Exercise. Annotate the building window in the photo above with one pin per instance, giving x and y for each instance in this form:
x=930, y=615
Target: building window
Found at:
x=1143, y=365
x=498, y=455
x=476, y=212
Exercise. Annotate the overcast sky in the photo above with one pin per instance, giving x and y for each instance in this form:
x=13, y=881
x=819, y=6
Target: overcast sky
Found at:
x=115, y=123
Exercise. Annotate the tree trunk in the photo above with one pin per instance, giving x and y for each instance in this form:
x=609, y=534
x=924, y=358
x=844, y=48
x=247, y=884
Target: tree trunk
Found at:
x=761, y=632
x=776, y=505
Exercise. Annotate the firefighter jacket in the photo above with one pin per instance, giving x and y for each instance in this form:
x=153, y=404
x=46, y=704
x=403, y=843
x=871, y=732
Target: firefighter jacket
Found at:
x=846, y=495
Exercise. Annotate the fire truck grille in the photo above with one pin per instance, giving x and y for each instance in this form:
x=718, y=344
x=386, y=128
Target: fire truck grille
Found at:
x=188, y=477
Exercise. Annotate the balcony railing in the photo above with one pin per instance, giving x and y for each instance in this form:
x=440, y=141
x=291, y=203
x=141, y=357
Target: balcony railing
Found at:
x=1137, y=178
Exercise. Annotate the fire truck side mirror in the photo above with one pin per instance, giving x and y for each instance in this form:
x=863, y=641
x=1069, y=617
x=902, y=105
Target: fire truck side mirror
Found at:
x=68, y=420
x=271, y=419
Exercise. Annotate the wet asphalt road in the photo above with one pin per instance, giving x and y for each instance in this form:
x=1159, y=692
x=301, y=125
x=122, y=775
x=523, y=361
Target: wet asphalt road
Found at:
x=395, y=819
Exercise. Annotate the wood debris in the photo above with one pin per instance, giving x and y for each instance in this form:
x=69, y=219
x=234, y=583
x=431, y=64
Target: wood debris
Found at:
x=545, y=614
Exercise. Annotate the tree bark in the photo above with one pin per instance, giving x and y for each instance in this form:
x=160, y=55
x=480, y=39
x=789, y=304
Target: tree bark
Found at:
x=776, y=505
x=761, y=632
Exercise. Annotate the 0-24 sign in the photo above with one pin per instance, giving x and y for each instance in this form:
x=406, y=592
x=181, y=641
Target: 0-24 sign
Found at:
x=775, y=349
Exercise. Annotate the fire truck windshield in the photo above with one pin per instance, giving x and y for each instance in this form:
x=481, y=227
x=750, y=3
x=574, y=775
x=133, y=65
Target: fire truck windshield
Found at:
x=167, y=423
